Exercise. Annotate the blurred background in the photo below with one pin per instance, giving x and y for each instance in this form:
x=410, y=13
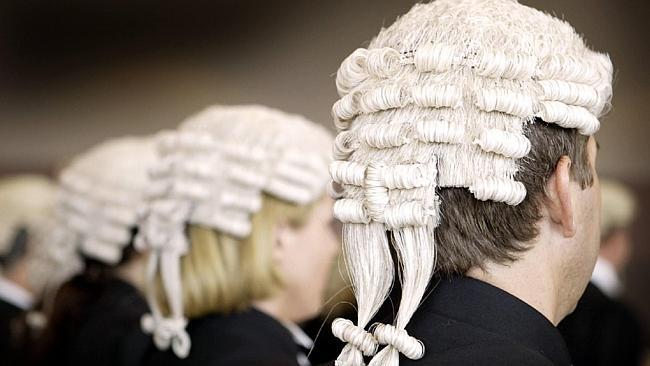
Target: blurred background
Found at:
x=73, y=73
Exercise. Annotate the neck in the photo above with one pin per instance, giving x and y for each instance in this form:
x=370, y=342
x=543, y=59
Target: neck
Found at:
x=530, y=279
x=14, y=293
x=132, y=272
x=19, y=276
x=272, y=307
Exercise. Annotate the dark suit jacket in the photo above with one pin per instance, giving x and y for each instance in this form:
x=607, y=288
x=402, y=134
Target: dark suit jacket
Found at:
x=247, y=338
x=103, y=329
x=14, y=335
x=602, y=331
x=466, y=322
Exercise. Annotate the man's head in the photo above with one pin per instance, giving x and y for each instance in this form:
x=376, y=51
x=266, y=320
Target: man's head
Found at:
x=465, y=133
x=497, y=232
x=560, y=216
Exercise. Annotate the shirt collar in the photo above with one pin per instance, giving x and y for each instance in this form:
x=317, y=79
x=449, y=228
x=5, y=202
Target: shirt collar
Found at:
x=299, y=336
x=302, y=340
x=485, y=306
x=15, y=295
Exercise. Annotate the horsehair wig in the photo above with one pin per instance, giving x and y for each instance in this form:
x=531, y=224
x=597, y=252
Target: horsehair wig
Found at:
x=102, y=194
x=441, y=99
x=212, y=172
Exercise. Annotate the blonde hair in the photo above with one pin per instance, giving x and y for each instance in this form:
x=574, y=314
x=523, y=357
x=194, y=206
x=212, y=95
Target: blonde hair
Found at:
x=212, y=173
x=222, y=274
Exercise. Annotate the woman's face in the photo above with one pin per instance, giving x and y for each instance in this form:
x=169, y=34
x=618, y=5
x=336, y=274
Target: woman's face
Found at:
x=307, y=255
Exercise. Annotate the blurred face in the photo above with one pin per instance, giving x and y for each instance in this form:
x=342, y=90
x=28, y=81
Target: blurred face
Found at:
x=306, y=258
x=579, y=262
x=617, y=249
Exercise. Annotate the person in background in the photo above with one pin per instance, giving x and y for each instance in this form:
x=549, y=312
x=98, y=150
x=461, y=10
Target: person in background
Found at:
x=242, y=238
x=95, y=315
x=26, y=205
x=603, y=330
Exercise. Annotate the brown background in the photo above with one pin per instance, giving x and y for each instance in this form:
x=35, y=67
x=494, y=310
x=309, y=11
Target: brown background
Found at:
x=73, y=73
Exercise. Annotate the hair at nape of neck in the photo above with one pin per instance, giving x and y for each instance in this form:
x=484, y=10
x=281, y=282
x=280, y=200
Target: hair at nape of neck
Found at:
x=448, y=125
x=224, y=274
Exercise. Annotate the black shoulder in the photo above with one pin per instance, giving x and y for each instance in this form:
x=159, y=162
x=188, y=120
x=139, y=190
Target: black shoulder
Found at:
x=240, y=340
x=485, y=353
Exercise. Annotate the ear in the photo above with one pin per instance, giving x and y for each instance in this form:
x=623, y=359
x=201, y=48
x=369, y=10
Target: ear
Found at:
x=559, y=197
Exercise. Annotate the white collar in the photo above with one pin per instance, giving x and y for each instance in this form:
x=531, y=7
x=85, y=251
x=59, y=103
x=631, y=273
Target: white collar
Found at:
x=15, y=295
x=606, y=278
x=301, y=339
x=299, y=336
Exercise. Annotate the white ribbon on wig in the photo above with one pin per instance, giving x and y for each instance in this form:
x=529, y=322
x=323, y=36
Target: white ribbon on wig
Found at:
x=166, y=331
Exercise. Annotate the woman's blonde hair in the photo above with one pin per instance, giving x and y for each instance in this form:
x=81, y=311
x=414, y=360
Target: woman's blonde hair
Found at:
x=222, y=274
x=211, y=175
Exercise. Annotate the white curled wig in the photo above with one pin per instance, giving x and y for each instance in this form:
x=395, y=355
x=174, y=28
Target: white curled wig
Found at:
x=27, y=202
x=212, y=172
x=440, y=99
x=102, y=197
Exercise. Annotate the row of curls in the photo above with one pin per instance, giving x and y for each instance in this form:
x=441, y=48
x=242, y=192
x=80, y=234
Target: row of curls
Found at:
x=381, y=63
x=189, y=142
x=102, y=229
x=523, y=105
x=349, y=210
x=81, y=184
x=292, y=191
x=188, y=170
x=376, y=182
x=499, y=190
x=393, y=96
x=555, y=106
x=505, y=143
x=382, y=136
x=300, y=175
x=400, y=176
x=394, y=216
x=563, y=103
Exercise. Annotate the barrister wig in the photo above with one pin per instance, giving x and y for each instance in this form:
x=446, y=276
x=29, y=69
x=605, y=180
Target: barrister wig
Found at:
x=214, y=171
x=102, y=196
x=439, y=99
x=27, y=204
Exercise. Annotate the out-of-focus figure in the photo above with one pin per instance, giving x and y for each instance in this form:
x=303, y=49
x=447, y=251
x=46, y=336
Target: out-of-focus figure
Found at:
x=95, y=316
x=26, y=206
x=603, y=330
x=242, y=238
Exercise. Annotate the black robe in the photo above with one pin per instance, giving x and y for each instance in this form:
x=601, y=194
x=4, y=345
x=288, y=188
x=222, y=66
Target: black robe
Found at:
x=105, y=330
x=464, y=321
x=602, y=331
x=247, y=338
x=13, y=333
x=467, y=322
